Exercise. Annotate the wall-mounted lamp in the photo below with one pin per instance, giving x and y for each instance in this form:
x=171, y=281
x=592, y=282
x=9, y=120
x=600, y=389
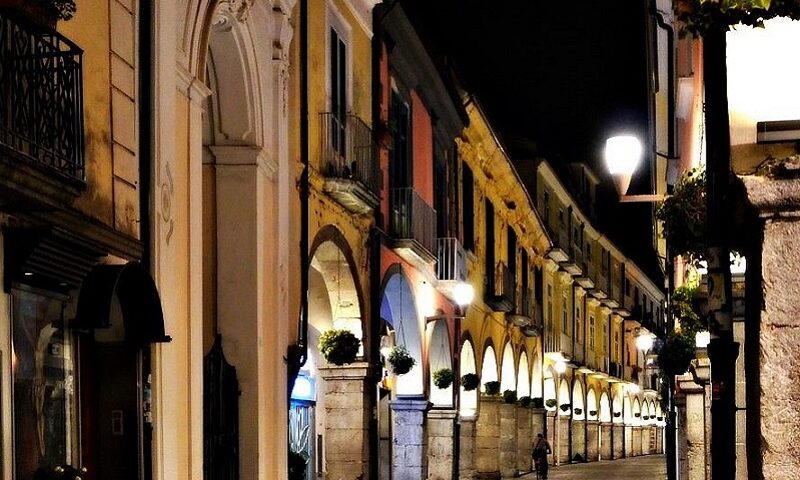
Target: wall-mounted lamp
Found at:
x=623, y=154
x=560, y=367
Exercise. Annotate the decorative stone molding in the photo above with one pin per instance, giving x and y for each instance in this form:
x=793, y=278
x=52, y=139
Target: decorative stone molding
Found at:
x=441, y=428
x=238, y=9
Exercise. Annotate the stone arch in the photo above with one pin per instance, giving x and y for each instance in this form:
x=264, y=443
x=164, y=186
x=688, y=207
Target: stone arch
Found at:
x=618, y=408
x=399, y=312
x=633, y=408
x=645, y=413
x=592, y=405
x=523, y=376
x=508, y=373
x=549, y=389
x=439, y=358
x=577, y=401
x=605, y=407
x=564, y=397
x=537, y=375
x=488, y=365
x=468, y=364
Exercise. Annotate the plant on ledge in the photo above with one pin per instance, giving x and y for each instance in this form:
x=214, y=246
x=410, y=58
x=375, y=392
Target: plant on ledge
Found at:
x=578, y=411
x=443, y=377
x=524, y=401
x=564, y=407
x=684, y=216
x=537, y=402
x=470, y=381
x=491, y=389
x=402, y=362
x=510, y=396
x=44, y=10
x=551, y=403
x=339, y=346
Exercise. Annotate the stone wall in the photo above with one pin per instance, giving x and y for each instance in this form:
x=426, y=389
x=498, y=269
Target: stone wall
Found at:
x=562, y=447
x=592, y=441
x=618, y=432
x=441, y=426
x=524, y=439
x=410, y=439
x=487, y=439
x=508, y=440
x=578, y=440
x=606, y=445
x=694, y=403
x=466, y=458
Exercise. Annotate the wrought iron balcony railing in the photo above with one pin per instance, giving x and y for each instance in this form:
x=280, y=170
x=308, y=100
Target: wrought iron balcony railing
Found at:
x=451, y=260
x=413, y=221
x=500, y=291
x=348, y=151
x=41, y=96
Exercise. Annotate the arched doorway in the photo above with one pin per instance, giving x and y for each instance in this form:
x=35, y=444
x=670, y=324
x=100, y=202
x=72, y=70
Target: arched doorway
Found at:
x=469, y=399
x=523, y=376
x=508, y=374
x=488, y=367
x=439, y=358
x=578, y=423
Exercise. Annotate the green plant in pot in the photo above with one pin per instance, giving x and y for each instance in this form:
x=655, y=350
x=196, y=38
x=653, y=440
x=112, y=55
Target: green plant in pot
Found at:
x=339, y=346
x=524, y=401
x=592, y=413
x=537, y=402
x=564, y=407
x=684, y=215
x=637, y=414
x=492, y=388
x=470, y=381
x=617, y=414
x=551, y=403
x=578, y=411
x=510, y=396
x=443, y=377
x=401, y=360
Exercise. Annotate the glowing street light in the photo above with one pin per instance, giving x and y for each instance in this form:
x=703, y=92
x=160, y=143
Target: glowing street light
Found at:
x=560, y=367
x=644, y=342
x=463, y=294
x=623, y=154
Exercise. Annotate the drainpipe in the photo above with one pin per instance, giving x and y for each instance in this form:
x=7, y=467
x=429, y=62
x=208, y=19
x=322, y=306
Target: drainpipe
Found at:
x=298, y=353
x=145, y=129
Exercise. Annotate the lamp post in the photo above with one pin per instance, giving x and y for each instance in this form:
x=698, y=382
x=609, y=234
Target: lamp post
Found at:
x=463, y=294
x=623, y=154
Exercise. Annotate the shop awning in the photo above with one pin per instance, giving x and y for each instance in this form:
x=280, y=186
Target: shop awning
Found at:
x=140, y=306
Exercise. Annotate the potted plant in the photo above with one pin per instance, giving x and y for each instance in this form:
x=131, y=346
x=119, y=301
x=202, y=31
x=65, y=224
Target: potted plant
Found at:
x=660, y=419
x=652, y=417
x=617, y=414
x=564, y=407
x=443, y=377
x=339, y=346
x=637, y=414
x=684, y=216
x=470, y=381
x=491, y=388
x=592, y=413
x=578, y=411
x=537, y=402
x=524, y=401
x=551, y=403
x=401, y=360
x=510, y=396
x=43, y=12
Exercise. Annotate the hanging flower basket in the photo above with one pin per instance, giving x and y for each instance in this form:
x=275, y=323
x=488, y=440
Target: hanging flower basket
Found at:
x=578, y=411
x=402, y=362
x=564, y=407
x=491, y=389
x=537, y=402
x=339, y=346
x=617, y=414
x=637, y=415
x=660, y=419
x=470, y=381
x=524, y=401
x=592, y=413
x=551, y=403
x=510, y=396
x=443, y=378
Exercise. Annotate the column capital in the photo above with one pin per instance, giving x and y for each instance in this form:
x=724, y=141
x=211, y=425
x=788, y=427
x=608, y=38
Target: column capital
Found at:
x=442, y=413
x=353, y=371
x=410, y=403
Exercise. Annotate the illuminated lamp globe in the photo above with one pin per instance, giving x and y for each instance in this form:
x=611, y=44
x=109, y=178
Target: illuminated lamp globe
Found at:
x=622, y=154
x=702, y=339
x=633, y=388
x=463, y=294
x=644, y=342
x=560, y=367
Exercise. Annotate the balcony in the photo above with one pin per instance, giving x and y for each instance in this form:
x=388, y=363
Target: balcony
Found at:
x=524, y=313
x=600, y=290
x=615, y=370
x=413, y=225
x=349, y=162
x=451, y=265
x=500, y=289
x=41, y=115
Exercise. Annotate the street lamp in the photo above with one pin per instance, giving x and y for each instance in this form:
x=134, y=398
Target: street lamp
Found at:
x=623, y=154
x=644, y=342
x=560, y=367
x=463, y=295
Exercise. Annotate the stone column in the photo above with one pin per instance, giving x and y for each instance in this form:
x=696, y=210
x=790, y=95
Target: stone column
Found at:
x=550, y=418
x=466, y=460
x=606, y=445
x=696, y=400
x=524, y=439
x=628, y=440
x=578, y=441
x=346, y=421
x=592, y=440
x=441, y=427
x=636, y=441
x=778, y=205
x=410, y=440
x=508, y=440
x=618, y=430
x=487, y=439
x=562, y=439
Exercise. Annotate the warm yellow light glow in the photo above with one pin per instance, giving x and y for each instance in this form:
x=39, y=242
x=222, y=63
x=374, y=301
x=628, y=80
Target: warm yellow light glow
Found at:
x=560, y=367
x=623, y=154
x=702, y=339
x=463, y=293
x=644, y=342
x=633, y=388
x=763, y=70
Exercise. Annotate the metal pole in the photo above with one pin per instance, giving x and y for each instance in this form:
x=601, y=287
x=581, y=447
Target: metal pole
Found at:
x=722, y=350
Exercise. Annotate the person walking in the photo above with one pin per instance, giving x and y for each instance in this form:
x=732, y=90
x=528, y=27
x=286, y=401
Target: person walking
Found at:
x=541, y=448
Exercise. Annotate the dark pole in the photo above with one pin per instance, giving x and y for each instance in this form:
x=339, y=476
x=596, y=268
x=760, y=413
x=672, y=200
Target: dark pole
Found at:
x=671, y=447
x=460, y=311
x=722, y=350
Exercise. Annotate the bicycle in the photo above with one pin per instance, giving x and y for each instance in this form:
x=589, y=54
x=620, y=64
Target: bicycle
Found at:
x=540, y=466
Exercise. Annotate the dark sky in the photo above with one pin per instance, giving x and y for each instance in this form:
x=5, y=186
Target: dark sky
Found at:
x=560, y=75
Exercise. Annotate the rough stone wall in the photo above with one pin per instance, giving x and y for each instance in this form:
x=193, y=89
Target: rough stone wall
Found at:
x=563, y=447
x=592, y=441
x=466, y=459
x=551, y=436
x=578, y=439
x=441, y=426
x=619, y=441
x=487, y=439
x=410, y=440
x=636, y=441
x=524, y=439
x=694, y=403
x=508, y=440
x=606, y=446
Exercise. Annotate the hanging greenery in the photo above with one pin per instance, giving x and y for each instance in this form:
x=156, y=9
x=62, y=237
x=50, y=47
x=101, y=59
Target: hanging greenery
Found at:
x=578, y=411
x=537, y=402
x=683, y=306
x=491, y=389
x=701, y=16
x=551, y=403
x=443, y=377
x=564, y=407
x=339, y=346
x=59, y=9
x=401, y=360
x=617, y=414
x=592, y=413
x=524, y=401
x=684, y=216
x=470, y=381
x=679, y=348
x=510, y=396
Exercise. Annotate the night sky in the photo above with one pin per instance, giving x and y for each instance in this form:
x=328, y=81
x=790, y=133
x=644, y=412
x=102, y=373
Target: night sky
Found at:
x=556, y=79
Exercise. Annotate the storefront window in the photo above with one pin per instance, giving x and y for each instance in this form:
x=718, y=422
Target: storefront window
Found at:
x=45, y=409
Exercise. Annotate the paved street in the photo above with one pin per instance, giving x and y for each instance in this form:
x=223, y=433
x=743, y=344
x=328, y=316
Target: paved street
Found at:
x=651, y=467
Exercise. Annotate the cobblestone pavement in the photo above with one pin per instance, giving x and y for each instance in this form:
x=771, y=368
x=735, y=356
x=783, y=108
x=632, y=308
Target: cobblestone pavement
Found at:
x=650, y=467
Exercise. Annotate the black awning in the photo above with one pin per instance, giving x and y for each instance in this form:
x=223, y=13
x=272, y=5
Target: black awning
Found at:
x=138, y=299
